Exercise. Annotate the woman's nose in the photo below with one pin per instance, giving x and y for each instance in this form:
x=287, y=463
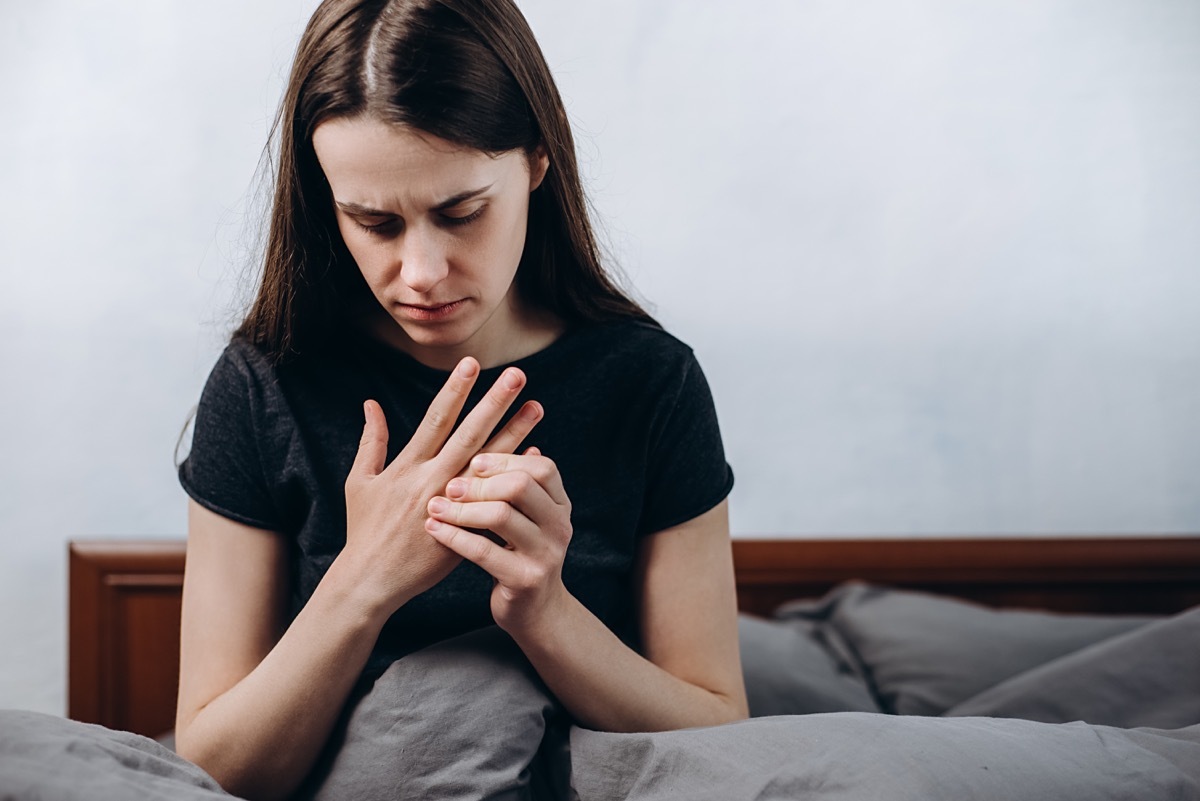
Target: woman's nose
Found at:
x=423, y=262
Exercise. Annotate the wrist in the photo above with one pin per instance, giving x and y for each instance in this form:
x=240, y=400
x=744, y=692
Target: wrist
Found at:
x=344, y=584
x=541, y=621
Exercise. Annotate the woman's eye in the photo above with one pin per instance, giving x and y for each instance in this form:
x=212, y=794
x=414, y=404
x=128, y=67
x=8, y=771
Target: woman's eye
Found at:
x=451, y=219
x=385, y=228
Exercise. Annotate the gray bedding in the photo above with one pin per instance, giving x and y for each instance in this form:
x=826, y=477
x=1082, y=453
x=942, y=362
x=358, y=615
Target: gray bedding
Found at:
x=857, y=756
x=865, y=694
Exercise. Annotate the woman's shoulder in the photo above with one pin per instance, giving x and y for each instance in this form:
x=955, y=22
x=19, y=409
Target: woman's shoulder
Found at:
x=244, y=356
x=639, y=339
x=624, y=356
x=242, y=366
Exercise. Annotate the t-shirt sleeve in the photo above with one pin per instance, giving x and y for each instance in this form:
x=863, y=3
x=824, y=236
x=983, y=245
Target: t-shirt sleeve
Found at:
x=687, y=473
x=225, y=471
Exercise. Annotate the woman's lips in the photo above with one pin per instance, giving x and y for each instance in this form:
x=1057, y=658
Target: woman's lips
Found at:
x=423, y=313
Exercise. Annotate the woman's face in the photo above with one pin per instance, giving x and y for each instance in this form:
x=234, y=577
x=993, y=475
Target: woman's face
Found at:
x=437, y=231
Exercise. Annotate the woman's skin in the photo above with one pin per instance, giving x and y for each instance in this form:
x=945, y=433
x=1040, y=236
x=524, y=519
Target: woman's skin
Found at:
x=258, y=698
x=437, y=231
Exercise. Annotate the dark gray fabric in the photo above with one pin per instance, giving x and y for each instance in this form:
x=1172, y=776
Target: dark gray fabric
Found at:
x=629, y=421
x=1148, y=677
x=467, y=718
x=922, y=654
x=853, y=756
x=47, y=758
x=788, y=671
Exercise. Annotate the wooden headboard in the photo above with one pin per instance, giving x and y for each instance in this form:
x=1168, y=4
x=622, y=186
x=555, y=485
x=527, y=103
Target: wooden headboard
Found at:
x=123, y=659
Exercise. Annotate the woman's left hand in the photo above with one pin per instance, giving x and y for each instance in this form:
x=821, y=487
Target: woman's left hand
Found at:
x=519, y=498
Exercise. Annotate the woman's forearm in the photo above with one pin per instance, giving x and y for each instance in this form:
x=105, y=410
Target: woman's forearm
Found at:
x=261, y=737
x=608, y=686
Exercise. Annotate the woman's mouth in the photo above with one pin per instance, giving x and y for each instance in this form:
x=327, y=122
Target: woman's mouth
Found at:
x=431, y=313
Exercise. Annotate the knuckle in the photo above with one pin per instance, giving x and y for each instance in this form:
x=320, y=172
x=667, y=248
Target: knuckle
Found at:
x=436, y=418
x=470, y=435
x=545, y=467
x=477, y=549
x=497, y=400
x=525, y=580
x=537, y=574
x=522, y=482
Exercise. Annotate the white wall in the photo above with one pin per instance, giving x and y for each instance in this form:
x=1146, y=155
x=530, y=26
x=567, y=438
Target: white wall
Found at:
x=940, y=260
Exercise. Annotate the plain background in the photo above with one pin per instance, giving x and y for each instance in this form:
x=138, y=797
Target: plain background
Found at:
x=939, y=260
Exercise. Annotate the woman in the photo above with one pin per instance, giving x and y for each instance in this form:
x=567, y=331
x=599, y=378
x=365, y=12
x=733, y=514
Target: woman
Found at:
x=430, y=255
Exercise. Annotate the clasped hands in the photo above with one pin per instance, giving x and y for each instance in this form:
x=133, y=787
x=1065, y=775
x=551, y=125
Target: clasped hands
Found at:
x=408, y=522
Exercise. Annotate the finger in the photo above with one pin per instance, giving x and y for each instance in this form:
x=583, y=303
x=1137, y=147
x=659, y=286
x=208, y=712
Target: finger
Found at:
x=372, y=448
x=541, y=468
x=443, y=412
x=472, y=433
x=531, y=451
x=517, y=488
x=515, y=431
x=503, y=565
x=498, y=517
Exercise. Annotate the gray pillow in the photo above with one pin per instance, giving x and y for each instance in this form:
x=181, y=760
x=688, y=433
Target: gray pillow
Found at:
x=467, y=718
x=855, y=756
x=47, y=757
x=922, y=654
x=1146, y=677
x=788, y=671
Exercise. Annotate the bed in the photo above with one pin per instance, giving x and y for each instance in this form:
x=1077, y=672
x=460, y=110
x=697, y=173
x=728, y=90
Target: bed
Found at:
x=1131, y=596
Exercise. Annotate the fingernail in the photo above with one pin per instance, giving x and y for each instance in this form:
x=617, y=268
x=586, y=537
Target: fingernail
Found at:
x=466, y=368
x=432, y=525
x=481, y=463
x=531, y=412
x=438, y=506
x=456, y=488
x=512, y=379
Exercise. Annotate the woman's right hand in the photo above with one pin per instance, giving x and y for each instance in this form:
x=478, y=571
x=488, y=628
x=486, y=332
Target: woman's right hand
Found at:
x=391, y=555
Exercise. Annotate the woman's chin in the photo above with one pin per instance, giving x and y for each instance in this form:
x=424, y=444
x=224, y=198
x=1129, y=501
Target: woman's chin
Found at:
x=426, y=340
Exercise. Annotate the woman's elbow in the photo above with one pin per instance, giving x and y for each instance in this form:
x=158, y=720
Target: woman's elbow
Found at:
x=736, y=708
x=214, y=760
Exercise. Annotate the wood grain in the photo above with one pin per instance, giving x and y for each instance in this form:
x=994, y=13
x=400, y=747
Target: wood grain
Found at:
x=1144, y=575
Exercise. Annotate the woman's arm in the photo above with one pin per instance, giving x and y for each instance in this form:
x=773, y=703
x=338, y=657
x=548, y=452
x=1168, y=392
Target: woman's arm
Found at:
x=258, y=697
x=691, y=673
x=255, y=707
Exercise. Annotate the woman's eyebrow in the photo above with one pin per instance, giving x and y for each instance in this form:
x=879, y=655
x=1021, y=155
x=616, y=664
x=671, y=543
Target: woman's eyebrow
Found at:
x=462, y=197
x=358, y=208
x=449, y=203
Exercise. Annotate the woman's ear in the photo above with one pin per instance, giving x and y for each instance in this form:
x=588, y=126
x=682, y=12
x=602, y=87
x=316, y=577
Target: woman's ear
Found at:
x=539, y=165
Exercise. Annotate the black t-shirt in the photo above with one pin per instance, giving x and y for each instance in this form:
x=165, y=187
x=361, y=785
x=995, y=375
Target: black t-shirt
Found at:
x=629, y=421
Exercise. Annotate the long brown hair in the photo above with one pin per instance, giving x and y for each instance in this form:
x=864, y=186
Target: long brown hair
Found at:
x=467, y=71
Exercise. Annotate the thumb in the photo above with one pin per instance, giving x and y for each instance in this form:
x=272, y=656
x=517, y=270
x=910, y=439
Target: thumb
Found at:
x=372, y=448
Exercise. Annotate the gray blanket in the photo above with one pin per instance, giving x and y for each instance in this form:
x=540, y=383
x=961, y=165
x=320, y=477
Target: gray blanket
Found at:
x=1111, y=710
x=856, y=756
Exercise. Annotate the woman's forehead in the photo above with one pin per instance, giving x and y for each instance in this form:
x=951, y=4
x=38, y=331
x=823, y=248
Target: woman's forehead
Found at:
x=370, y=162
